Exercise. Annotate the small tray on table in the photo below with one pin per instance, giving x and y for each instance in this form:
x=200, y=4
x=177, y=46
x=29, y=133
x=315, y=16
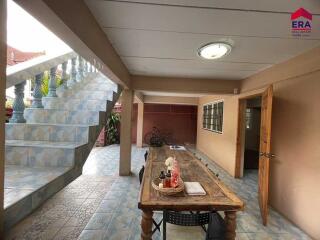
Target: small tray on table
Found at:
x=168, y=191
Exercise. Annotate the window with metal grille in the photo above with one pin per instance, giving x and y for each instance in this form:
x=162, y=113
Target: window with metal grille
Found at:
x=213, y=116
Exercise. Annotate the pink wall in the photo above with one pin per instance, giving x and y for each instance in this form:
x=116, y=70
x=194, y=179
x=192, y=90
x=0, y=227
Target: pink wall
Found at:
x=180, y=120
x=295, y=171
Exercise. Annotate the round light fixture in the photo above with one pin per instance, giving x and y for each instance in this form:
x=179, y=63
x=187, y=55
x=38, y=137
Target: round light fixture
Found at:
x=214, y=50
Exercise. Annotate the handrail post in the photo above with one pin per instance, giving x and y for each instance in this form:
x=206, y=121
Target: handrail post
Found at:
x=80, y=69
x=88, y=67
x=73, y=79
x=18, y=104
x=64, y=77
x=97, y=67
x=52, y=83
x=85, y=70
x=37, y=94
x=91, y=67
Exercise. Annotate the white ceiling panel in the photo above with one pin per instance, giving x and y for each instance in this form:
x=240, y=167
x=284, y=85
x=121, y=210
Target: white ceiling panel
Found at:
x=184, y=46
x=194, y=20
x=161, y=37
x=257, y=5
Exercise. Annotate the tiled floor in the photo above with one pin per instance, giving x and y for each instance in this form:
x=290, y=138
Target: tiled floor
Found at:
x=101, y=205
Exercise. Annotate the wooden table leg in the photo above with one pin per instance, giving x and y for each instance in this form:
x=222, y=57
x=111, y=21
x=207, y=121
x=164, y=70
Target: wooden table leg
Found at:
x=230, y=220
x=146, y=225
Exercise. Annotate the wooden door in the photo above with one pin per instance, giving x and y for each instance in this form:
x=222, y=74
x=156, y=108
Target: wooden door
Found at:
x=264, y=159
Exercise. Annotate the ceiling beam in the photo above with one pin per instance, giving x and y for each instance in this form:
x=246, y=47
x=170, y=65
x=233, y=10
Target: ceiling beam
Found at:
x=171, y=100
x=138, y=97
x=184, y=85
x=73, y=22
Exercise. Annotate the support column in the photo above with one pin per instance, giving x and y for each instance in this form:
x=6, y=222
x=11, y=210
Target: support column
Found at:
x=3, y=64
x=140, y=125
x=125, y=132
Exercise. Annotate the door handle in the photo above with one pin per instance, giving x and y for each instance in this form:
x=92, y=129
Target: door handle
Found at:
x=270, y=155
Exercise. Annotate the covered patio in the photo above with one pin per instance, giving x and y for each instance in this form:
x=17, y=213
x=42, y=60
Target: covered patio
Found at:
x=235, y=83
x=102, y=205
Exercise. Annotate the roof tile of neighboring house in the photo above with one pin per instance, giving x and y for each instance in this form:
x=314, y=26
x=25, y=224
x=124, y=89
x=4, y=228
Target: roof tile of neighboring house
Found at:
x=14, y=56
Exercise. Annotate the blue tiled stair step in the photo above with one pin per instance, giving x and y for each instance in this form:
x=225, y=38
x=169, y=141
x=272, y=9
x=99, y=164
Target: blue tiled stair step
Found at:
x=51, y=132
x=44, y=153
x=89, y=85
x=101, y=87
x=74, y=104
x=101, y=79
x=88, y=94
x=33, y=115
x=93, y=83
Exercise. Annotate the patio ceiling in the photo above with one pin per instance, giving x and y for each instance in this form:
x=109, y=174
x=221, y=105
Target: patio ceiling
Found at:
x=161, y=38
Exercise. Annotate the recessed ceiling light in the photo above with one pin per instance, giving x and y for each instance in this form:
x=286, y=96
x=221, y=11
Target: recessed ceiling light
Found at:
x=214, y=50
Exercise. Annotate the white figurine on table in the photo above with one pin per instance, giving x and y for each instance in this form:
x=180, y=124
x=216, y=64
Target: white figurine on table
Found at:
x=169, y=163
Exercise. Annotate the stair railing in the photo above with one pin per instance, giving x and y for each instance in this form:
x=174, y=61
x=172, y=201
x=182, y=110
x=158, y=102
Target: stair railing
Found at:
x=17, y=76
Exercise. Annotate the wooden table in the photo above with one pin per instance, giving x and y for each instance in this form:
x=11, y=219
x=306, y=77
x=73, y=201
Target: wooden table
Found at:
x=218, y=198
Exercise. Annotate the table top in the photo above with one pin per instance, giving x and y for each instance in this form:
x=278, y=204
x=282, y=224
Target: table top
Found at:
x=218, y=197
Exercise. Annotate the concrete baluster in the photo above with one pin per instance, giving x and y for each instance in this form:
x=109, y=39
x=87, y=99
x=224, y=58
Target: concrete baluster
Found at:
x=52, y=83
x=91, y=68
x=37, y=93
x=80, y=69
x=85, y=70
x=88, y=67
x=18, y=104
x=64, y=76
x=73, y=78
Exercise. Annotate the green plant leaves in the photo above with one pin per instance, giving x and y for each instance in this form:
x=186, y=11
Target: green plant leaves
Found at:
x=112, y=128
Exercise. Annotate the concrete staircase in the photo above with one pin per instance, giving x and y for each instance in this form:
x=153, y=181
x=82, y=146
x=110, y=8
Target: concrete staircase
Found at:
x=48, y=151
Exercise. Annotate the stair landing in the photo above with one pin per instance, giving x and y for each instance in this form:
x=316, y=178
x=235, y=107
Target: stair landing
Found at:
x=21, y=181
x=27, y=187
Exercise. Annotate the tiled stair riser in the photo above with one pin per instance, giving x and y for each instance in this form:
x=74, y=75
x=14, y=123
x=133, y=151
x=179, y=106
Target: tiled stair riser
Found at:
x=52, y=133
x=88, y=85
x=74, y=104
x=101, y=80
x=100, y=86
x=87, y=94
x=91, y=84
x=62, y=116
x=40, y=156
